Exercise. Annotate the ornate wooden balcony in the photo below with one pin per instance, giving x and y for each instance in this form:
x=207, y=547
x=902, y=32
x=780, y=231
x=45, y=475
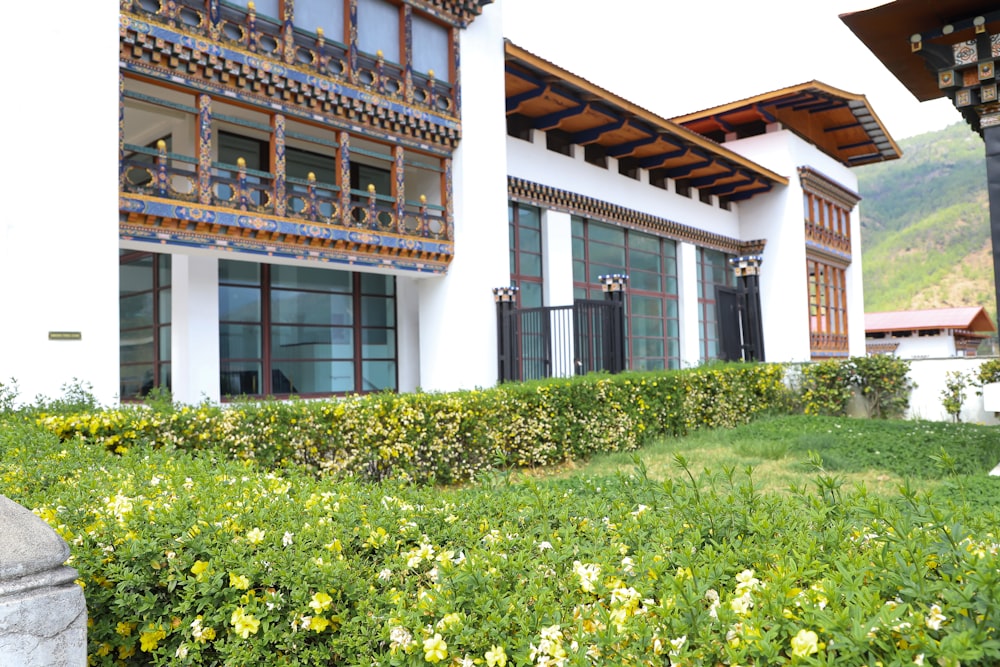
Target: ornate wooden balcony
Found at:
x=826, y=345
x=167, y=197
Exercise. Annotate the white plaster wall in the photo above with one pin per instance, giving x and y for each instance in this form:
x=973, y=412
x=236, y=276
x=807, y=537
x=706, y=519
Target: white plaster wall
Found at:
x=922, y=347
x=407, y=333
x=532, y=161
x=930, y=376
x=457, y=312
x=778, y=217
x=59, y=232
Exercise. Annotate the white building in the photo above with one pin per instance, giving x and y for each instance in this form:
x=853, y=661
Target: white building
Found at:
x=308, y=212
x=934, y=333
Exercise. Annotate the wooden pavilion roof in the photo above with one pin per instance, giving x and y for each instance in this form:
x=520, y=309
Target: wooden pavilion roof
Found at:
x=543, y=96
x=841, y=124
x=972, y=318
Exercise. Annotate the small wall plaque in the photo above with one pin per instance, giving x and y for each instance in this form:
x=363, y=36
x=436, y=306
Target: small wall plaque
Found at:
x=65, y=335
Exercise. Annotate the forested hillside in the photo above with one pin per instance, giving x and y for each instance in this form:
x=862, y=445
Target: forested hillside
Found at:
x=925, y=225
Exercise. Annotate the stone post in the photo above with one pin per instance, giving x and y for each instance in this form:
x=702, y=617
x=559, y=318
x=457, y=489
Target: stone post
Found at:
x=43, y=614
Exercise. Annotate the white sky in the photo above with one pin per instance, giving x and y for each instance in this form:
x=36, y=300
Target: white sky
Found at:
x=678, y=56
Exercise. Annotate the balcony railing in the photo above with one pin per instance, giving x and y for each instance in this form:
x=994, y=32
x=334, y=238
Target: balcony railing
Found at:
x=157, y=173
x=827, y=238
x=239, y=28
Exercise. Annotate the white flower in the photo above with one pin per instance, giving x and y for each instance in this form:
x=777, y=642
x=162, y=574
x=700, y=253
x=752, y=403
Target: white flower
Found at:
x=935, y=618
x=385, y=574
x=182, y=651
x=286, y=539
x=542, y=546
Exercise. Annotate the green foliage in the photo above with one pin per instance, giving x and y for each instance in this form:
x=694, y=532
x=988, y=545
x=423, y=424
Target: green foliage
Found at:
x=988, y=372
x=882, y=381
x=953, y=394
x=826, y=387
x=190, y=559
x=884, y=384
x=8, y=397
x=446, y=438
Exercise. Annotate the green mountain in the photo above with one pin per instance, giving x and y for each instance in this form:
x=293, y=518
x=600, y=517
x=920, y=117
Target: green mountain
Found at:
x=925, y=232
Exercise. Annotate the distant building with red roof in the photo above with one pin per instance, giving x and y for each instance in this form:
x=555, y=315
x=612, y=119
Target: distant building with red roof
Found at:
x=933, y=333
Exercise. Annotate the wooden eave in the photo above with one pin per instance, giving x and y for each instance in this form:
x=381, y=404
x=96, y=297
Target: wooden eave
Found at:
x=548, y=98
x=841, y=124
x=886, y=31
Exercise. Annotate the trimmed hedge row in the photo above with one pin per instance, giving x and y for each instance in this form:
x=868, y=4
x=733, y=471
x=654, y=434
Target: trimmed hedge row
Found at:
x=447, y=437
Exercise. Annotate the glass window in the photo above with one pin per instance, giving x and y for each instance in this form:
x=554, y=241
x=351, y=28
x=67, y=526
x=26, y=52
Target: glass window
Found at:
x=378, y=28
x=293, y=329
x=431, y=48
x=525, y=235
x=312, y=14
x=144, y=323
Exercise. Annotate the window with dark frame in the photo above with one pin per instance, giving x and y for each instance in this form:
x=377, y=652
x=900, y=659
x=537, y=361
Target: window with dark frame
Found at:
x=558, y=141
x=525, y=243
x=713, y=271
x=827, y=308
x=594, y=154
x=144, y=298
x=652, y=311
x=289, y=330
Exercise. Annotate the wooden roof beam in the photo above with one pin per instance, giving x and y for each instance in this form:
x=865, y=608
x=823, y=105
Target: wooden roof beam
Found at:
x=514, y=102
x=680, y=172
x=584, y=137
x=705, y=181
x=656, y=161
x=627, y=149
x=750, y=192
x=727, y=188
x=552, y=120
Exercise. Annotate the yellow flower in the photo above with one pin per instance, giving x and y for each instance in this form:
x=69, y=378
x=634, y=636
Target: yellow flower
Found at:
x=151, y=638
x=320, y=601
x=435, y=648
x=124, y=629
x=496, y=657
x=255, y=536
x=239, y=581
x=244, y=624
x=318, y=624
x=199, y=568
x=805, y=643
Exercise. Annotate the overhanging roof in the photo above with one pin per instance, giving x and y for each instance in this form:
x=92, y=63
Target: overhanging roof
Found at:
x=547, y=97
x=843, y=125
x=886, y=31
x=973, y=318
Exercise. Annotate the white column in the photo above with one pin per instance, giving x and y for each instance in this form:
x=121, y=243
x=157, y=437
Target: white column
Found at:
x=855, y=292
x=408, y=333
x=557, y=272
x=194, y=329
x=687, y=303
x=458, y=346
x=557, y=260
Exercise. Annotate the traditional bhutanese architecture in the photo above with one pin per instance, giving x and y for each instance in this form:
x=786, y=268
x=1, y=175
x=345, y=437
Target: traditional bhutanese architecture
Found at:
x=325, y=197
x=933, y=333
x=946, y=49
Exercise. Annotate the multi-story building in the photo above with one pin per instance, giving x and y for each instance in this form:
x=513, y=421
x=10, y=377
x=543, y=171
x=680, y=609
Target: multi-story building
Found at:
x=318, y=197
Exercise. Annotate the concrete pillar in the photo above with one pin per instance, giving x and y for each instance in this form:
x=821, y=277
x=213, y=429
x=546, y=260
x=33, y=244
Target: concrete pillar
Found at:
x=557, y=263
x=194, y=352
x=43, y=613
x=687, y=303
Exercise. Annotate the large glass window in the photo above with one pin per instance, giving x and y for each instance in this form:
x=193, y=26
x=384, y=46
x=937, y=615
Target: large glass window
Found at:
x=312, y=14
x=651, y=264
x=378, y=28
x=144, y=323
x=305, y=331
x=713, y=271
x=525, y=236
x=431, y=48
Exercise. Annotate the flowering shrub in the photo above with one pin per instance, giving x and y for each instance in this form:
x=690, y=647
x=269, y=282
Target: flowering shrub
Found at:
x=447, y=437
x=881, y=380
x=188, y=559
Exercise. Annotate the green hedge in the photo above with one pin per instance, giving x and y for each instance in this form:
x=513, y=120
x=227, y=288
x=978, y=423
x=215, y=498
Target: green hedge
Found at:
x=447, y=437
x=196, y=560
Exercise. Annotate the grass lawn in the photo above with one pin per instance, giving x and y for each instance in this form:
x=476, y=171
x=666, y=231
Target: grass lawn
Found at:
x=786, y=451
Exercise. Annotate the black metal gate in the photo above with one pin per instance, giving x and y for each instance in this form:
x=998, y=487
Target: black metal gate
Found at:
x=741, y=331
x=559, y=341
